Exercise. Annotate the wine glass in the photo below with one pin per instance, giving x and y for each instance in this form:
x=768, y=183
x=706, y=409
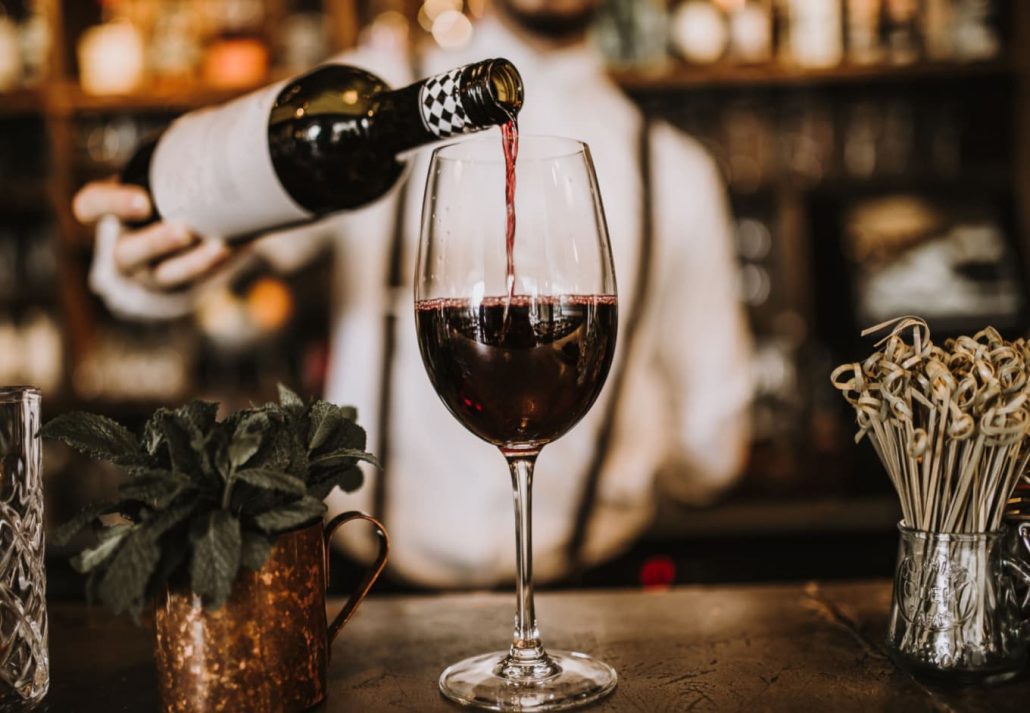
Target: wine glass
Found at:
x=518, y=359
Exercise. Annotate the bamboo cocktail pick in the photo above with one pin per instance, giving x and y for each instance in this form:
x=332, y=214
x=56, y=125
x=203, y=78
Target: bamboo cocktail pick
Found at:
x=948, y=424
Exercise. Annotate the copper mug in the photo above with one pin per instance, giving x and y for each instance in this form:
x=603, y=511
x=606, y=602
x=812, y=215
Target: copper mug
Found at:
x=266, y=650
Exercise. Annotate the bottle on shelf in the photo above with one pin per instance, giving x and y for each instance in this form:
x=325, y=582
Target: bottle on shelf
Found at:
x=237, y=56
x=330, y=140
x=813, y=36
x=902, y=31
x=862, y=31
x=699, y=32
x=975, y=30
x=112, y=55
x=302, y=38
x=10, y=55
x=36, y=44
x=751, y=31
x=174, y=44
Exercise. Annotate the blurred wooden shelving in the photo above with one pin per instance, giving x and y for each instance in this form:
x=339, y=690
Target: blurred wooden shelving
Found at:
x=22, y=102
x=69, y=99
x=61, y=99
x=63, y=112
x=678, y=76
x=31, y=196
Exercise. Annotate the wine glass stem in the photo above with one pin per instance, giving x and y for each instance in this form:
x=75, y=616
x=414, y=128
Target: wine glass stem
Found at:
x=526, y=646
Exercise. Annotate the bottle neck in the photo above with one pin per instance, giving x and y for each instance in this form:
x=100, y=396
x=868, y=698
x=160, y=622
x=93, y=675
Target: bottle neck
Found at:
x=461, y=101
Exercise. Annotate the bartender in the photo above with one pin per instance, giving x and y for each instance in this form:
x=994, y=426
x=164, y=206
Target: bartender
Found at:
x=675, y=409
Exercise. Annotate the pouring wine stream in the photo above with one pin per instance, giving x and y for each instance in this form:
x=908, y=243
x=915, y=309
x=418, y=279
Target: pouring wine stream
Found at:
x=510, y=145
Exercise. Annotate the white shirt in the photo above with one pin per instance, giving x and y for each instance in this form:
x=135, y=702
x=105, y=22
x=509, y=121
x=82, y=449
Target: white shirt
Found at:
x=683, y=410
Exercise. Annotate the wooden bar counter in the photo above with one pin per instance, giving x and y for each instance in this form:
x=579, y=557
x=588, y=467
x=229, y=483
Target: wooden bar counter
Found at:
x=752, y=648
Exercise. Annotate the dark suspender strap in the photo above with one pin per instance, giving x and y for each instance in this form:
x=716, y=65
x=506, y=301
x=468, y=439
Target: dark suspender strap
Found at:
x=591, y=482
x=391, y=283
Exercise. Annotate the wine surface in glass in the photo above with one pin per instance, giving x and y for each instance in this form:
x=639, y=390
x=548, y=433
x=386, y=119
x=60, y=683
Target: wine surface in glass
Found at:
x=524, y=380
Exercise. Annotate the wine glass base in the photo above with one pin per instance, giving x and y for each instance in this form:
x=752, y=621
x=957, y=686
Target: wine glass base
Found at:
x=574, y=680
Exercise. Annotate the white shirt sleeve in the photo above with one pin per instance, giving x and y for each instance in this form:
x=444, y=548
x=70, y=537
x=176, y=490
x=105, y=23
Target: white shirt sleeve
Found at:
x=702, y=343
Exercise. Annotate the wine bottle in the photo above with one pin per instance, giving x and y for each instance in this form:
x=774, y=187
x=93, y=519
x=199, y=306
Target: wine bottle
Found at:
x=330, y=140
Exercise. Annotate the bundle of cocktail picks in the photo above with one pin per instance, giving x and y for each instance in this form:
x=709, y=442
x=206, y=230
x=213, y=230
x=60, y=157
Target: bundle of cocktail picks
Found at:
x=948, y=423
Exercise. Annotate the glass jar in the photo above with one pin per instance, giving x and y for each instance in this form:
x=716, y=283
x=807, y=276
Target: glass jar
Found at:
x=955, y=613
x=25, y=675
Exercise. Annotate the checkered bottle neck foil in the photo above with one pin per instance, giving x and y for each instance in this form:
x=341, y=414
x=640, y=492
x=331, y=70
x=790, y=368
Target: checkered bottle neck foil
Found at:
x=443, y=110
x=470, y=98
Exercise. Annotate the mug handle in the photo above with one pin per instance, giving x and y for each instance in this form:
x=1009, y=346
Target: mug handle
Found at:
x=361, y=592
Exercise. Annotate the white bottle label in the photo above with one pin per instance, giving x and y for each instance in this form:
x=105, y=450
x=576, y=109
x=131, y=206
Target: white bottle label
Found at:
x=212, y=170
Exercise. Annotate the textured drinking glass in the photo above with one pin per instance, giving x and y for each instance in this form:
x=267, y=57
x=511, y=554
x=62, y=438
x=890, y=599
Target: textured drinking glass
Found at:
x=517, y=360
x=955, y=612
x=24, y=660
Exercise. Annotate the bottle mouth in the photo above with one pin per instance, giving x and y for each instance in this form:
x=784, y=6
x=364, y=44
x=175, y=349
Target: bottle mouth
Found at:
x=494, y=92
x=506, y=83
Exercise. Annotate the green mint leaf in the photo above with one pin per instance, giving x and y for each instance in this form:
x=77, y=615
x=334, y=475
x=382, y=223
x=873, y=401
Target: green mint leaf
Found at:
x=280, y=450
x=247, y=438
x=198, y=419
x=174, y=552
x=124, y=582
x=96, y=436
x=248, y=500
x=290, y=516
x=271, y=480
x=162, y=521
x=85, y=517
x=348, y=480
x=344, y=457
x=324, y=420
x=198, y=416
x=182, y=455
x=216, y=557
x=256, y=549
x=334, y=431
x=91, y=558
x=156, y=488
x=290, y=402
x=153, y=432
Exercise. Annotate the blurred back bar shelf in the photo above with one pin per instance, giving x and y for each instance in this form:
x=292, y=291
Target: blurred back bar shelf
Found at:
x=81, y=92
x=861, y=190
x=860, y=182
x=681, y=76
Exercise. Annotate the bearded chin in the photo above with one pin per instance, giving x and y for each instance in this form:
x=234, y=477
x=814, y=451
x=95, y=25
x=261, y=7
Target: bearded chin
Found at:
x=552, y=25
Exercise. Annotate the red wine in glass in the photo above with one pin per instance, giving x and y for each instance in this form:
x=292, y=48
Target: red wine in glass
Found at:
x=525, y=378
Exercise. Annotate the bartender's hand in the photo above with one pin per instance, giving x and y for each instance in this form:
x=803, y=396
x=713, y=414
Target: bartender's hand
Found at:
x=163, y=255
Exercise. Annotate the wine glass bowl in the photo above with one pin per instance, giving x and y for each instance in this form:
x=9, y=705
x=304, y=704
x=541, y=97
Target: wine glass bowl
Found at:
x=518, y=348
x=517, y=372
